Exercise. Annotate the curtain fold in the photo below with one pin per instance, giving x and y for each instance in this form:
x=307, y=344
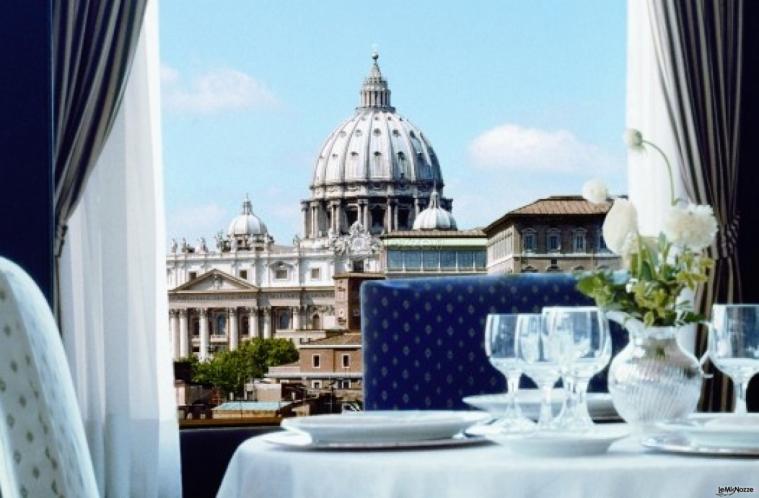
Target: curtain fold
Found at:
x=699, y=45
x=114, y=297
x=93, y=46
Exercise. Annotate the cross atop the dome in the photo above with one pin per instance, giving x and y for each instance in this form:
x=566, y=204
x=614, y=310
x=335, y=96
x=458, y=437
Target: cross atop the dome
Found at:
x=375, y=52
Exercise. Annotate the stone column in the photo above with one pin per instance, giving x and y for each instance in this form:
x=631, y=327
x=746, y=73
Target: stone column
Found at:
x=395, y=217
x=184, y=335
x=296, y=317
x=306, y=211
x=203, y=353
x=267, y=323
x=417, y=206
x=314, y=221
x=364, y=205
x=252, y=323
x=233, y=334
x=174, y=328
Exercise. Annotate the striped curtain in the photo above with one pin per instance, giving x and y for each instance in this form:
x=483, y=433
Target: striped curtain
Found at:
x=699, y=46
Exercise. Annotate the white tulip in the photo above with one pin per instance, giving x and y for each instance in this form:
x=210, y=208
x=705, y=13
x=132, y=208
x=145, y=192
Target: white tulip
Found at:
x=620, y=228
x=692, y=226
x=595, y=191
x=633, y=138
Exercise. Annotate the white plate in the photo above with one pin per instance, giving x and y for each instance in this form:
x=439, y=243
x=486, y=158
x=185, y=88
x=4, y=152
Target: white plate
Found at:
x=720, y=430
x=384, y=426
x=296, y=440
x=600, y=405
x=564, y=444
x=672, y=442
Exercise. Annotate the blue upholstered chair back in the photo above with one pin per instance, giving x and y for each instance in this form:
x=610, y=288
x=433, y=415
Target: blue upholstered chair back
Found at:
x=423, y=338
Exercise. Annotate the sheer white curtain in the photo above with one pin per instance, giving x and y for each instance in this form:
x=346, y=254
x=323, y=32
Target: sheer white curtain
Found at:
x=647, y=178
x=114, y=301
x=648, y=182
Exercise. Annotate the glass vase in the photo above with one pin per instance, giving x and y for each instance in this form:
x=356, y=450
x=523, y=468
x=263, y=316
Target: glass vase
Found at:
x=653, y=379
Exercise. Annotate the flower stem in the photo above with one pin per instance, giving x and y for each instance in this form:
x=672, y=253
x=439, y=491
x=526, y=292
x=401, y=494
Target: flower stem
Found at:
x=669, y=170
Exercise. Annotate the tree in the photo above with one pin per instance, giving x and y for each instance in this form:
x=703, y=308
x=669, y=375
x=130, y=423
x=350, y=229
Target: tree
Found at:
x=228, y=371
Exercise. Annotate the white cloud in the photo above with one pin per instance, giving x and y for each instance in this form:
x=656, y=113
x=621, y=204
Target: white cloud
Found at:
x=517, y=148
x=218, y=90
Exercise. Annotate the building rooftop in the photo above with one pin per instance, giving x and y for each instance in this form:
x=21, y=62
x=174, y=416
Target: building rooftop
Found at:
x=428, y=234
x=349, y=339
x=555, y=205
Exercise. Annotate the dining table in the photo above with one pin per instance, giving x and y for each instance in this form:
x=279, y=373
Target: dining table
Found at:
x=488, y=470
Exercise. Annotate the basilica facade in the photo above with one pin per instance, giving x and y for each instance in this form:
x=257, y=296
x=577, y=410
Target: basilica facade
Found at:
x=376, y=174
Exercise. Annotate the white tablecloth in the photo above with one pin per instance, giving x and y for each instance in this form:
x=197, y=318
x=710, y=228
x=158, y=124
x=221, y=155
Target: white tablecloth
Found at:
x=259, y=469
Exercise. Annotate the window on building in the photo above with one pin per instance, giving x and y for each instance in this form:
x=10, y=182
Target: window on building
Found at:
x=529, y=241
x=578, y=241
x=412, y=260
x=358, y=265
x=601, y=243
x=316, y=322
x=283, y=320
x=316, y=273
x=346, y=359
x=193, y=275
x=316, y=384
x=280, y=274
x=345, y=384
x=244, y=274
x=466, y=260
x=220, y=324
x=480, y=260
x=394, y=259
x=554, y=241
x=431, y=260
x=448, y=260
x=316, y=361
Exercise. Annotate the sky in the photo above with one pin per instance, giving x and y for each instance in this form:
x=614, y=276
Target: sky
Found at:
x=520, y=99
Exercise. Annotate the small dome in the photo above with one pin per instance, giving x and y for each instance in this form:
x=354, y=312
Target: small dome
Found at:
x=435, y=217
x=246, y=223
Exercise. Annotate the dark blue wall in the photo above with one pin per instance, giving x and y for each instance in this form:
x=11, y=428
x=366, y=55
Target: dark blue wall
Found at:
x=26, y=137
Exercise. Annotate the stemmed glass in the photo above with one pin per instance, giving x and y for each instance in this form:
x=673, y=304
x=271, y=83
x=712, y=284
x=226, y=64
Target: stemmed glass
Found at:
x=532, y=341
x=734, y=345
x=579, y=341
x=501, y=348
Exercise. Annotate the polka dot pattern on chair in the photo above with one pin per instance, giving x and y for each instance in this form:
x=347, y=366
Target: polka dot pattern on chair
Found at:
x=423, y=339
x=42, y=441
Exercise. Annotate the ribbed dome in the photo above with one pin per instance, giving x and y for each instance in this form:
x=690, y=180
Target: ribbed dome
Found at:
x=246, y=223
x=434, y=217
x=376, y=145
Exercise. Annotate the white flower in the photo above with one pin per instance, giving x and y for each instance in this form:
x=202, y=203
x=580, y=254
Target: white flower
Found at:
x=633, y=138
x=595, y=191
x=692, y=226
x=620, y=228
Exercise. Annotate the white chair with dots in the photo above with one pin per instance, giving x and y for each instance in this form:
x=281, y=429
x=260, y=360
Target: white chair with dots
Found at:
x=43, y=449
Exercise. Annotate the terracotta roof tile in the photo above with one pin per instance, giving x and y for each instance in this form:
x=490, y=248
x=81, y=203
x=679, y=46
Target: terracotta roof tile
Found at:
x=337, y=340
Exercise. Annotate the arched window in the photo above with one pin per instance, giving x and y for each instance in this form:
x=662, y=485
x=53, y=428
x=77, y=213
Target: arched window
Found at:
x=316, y=322
x=283, y=320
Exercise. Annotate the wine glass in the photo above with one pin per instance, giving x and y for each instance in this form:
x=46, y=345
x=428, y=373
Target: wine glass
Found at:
x=502, y=350
x=579, y=341
x=734, y=345
x=532, y=340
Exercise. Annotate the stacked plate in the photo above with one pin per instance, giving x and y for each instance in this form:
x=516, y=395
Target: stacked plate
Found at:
x=709, y=434
x=379, y=430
